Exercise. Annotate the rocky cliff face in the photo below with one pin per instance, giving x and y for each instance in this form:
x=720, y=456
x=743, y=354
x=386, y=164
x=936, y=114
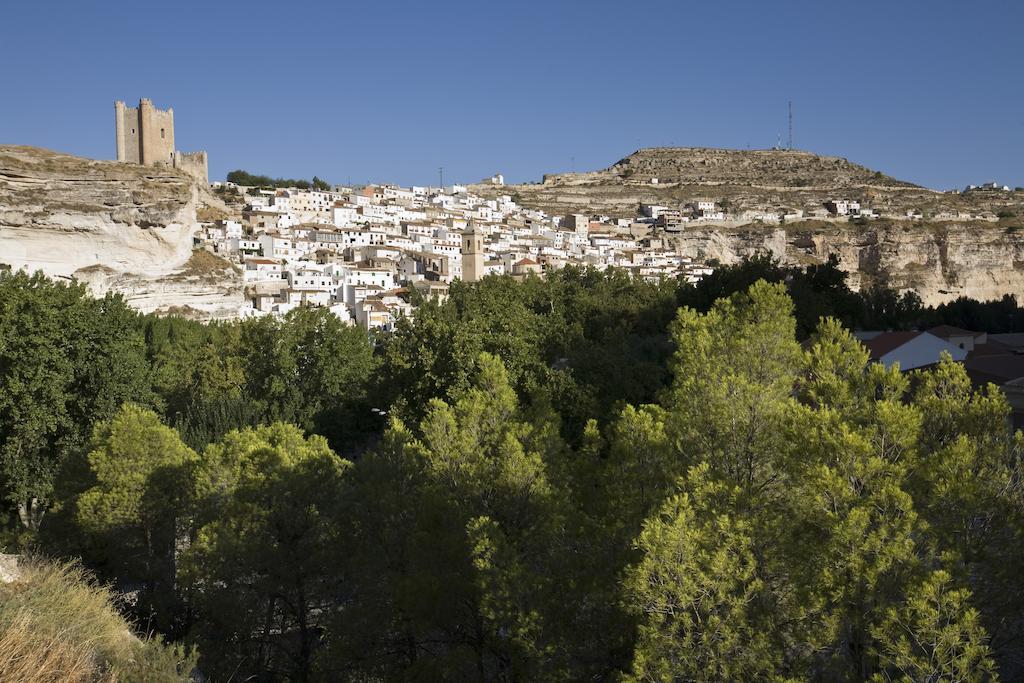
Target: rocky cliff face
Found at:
x=940, y=261
x=114, y=226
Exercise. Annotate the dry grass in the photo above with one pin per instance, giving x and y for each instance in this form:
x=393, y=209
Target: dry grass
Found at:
x=28, y=656
x=204, y=264
x=58, y=624
x=207, y=214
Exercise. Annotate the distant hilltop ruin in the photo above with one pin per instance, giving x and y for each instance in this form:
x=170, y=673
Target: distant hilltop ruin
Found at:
x=145, y=135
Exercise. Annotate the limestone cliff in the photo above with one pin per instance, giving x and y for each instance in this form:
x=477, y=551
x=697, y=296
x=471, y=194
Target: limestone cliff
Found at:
x=112, y=225
x=940, y=261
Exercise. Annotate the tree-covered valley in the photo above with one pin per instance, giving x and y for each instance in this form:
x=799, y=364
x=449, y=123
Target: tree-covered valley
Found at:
x=581, y=477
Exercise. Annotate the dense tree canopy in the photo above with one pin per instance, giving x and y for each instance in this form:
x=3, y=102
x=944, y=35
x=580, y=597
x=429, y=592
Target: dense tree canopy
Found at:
x=240, y=177
x=66, y=361
x=585, y=477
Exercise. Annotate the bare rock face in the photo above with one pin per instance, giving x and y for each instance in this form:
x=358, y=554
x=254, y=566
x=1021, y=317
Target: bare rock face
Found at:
x=113, y=225
x=204, y=287
x=9, y=572
x=940, y=261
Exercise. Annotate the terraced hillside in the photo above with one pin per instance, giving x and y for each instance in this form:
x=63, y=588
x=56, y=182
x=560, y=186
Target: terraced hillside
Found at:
x=740, y=180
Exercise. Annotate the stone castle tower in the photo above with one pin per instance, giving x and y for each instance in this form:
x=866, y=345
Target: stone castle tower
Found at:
x=472, y=254
x=145, y=135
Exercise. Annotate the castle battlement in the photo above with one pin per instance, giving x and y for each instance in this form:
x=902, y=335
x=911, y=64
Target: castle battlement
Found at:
x=145, y=135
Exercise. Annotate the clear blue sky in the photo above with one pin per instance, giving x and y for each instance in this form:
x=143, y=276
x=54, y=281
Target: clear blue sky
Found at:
x=927, y=90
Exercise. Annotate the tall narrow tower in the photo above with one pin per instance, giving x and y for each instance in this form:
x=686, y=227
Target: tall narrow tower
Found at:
x=472, y=254
x=119, y=131
x=791, y=124
x=145, y=134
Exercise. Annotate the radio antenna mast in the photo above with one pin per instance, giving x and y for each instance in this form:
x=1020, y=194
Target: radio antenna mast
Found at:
x=791, y=125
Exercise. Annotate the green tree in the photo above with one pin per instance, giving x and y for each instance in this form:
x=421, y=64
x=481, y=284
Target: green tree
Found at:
x=697, y=591
x=466, y=528
x=934, y=636
x=240, y=177
x=265, y=570
x=871, y=529
x=734, y=370
x=433, y=354
x=584, y=340
x=968, y=486
x=136, y=510
x=66, y=361
x=310, y=369
x=817, y=291
x=886, y=309
x=194, y=365
x=489, y=467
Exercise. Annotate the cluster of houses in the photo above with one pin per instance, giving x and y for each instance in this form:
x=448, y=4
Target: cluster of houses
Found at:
x=693, y=213
x=362, y=252
x=706, y=210
x=991, y=187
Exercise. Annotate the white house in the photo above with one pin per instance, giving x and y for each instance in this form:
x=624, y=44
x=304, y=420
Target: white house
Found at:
x=261, y=270
x=909, y=349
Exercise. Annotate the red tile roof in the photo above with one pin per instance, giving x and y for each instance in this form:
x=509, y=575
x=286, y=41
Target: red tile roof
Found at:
x=947, y=331
x=888, y=341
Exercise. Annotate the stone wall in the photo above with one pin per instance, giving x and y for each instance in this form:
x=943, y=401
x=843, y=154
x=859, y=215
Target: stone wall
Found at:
x=193, y=163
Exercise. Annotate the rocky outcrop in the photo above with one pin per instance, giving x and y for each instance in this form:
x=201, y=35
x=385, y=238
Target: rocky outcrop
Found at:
x=9, y=572
x=204, y=287
x=741, y=180
x=113, y=225
x=766, y=168
x=940, y=261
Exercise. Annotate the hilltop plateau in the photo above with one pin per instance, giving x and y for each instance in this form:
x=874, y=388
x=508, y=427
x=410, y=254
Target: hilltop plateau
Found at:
x=741, y=180
x=114, y=226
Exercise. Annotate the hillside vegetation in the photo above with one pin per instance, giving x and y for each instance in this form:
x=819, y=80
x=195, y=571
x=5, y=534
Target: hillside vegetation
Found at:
x=774, y=168
x=57, y=625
